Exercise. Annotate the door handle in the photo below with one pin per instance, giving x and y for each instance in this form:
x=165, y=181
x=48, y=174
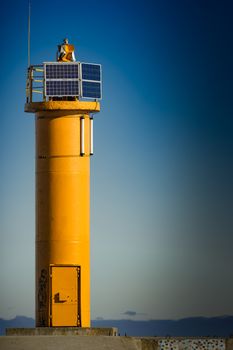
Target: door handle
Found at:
x=57, y=298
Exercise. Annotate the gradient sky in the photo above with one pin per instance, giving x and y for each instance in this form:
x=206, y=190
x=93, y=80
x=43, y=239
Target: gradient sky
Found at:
x=162, y=173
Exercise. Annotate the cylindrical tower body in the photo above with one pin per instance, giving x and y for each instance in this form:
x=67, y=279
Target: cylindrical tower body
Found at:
x=63, y=148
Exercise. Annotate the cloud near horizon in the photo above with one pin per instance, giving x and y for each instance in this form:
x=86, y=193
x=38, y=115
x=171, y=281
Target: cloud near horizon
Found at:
x=132, y=313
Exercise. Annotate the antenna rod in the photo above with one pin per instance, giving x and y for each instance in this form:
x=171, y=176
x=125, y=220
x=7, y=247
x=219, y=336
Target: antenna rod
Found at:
x=29, y=34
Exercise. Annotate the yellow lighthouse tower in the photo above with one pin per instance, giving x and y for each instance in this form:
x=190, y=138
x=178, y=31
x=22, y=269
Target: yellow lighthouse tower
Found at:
x=69, y=92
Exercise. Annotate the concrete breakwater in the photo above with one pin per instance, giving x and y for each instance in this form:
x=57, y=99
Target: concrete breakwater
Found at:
x=100, y=342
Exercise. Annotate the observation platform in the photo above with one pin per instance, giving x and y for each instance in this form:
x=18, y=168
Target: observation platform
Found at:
x=76, y=106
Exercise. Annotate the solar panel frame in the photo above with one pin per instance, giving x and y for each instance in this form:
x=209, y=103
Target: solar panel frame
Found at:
x=62, y=79
x=94, y=81
x=62, y=88
x=91, y=89
x=60, y=67
x=76, y=79
x=96, y=73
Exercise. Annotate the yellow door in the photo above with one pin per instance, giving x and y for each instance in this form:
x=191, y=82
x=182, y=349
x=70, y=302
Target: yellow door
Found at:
x=65, y=296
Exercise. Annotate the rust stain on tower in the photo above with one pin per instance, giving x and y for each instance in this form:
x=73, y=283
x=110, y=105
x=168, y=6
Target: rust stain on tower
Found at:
x=64, y=96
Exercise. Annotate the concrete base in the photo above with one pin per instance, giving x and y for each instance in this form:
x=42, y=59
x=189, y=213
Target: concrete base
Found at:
x=60, y=342
x=61, y=331
x=100, y=342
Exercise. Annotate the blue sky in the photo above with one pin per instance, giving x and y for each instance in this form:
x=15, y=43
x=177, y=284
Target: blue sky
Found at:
x=161, y=176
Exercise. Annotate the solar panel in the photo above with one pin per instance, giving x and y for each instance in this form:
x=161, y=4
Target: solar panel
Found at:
x=91, y=89
x=62, y=88
x=77, y=79
x=90, y=71
x=61, y=79
x=91, y=80
x=62, y=71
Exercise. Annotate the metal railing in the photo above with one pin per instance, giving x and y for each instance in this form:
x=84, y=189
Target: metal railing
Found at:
x=35, y=83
